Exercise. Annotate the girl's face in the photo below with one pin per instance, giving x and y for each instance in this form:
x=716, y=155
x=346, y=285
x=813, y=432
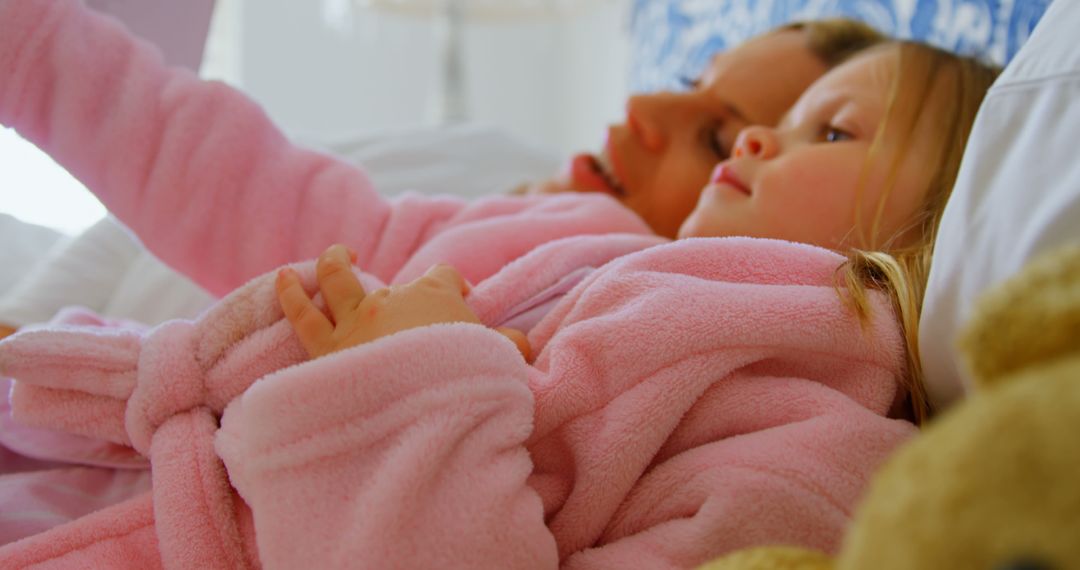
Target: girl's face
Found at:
x=801, y=181
x=657, y=161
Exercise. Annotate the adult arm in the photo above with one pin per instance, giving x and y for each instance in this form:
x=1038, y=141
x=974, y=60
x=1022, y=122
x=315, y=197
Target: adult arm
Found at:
x=215, y=190
x=194, y=168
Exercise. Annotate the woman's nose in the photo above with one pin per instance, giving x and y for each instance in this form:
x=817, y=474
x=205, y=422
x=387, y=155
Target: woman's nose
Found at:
x=757, y=141
x=650, y=117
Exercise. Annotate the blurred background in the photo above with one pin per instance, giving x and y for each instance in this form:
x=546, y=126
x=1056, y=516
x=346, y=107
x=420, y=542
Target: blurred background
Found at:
x=552, y=73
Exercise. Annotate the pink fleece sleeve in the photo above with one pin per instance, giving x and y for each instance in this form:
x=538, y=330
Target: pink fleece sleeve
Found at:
x=194, y=168
x=792, y=483
x=374, y=458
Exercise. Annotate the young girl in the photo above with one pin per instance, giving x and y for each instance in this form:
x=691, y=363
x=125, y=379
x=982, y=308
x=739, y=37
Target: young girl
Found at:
x=684, y=401
x=211, y=186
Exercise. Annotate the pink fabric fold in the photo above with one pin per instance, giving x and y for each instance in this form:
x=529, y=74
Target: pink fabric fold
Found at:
x=120, y=386
x=49, y=496
x=121, y=536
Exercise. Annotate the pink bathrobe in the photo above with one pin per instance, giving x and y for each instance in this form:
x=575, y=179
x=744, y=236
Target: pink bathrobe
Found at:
x=686, y=400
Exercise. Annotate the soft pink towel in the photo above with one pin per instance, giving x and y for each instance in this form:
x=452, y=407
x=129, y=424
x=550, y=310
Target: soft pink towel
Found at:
x=686, y=400
x=121, y=536
x=212, y=187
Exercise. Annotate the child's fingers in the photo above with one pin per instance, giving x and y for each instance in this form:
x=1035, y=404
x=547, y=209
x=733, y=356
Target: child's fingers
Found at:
x=339, y=285
x=519, y=339
x=311, y=325
x=448, y=275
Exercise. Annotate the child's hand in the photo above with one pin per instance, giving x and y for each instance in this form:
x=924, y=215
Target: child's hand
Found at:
x=357, y=317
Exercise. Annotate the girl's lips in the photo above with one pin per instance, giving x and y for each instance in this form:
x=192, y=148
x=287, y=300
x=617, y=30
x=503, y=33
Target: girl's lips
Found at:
x=725, y=174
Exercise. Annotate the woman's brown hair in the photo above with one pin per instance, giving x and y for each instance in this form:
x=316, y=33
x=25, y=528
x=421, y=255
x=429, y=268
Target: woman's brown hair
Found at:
x=835, y=40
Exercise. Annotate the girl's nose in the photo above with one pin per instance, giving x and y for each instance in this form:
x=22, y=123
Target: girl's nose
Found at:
x=649, y=116
x=756, y=141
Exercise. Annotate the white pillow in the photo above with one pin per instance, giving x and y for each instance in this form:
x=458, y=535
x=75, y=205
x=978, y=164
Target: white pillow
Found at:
x=22, y=246
x=106, y=270
x=465, y=159
x=1017, y=194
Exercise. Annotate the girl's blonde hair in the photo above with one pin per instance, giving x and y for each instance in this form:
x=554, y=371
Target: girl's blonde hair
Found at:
x=930, y=85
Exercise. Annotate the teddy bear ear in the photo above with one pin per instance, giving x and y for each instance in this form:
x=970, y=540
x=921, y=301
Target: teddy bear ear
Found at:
x=1034, y=317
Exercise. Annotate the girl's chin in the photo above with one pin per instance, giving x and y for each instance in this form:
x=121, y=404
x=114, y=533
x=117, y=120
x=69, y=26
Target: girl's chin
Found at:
x=689, y=228
x=701, y=225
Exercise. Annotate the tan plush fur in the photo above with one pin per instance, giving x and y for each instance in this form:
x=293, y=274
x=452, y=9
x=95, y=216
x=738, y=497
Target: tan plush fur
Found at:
x=772, y=558
x=994, y=482
x=1027, y=321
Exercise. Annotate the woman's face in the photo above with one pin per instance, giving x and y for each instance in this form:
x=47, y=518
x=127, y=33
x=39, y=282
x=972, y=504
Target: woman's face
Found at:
x=812, y=177
x=659, y=159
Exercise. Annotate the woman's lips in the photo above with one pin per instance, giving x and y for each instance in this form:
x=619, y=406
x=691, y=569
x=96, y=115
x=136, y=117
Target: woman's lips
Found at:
x=725, y=174
x=587, y=174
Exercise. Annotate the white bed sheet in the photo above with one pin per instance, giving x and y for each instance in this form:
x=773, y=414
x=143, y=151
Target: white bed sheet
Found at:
x=24, y=245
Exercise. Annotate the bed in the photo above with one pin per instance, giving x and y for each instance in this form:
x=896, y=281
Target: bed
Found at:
x=1022, y=139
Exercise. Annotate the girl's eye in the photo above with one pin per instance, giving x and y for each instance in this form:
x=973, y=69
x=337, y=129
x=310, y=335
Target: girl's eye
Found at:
x=833, y=134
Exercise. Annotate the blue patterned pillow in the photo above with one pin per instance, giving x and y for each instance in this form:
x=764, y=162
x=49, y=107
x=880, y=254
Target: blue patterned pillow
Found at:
x=675, y=38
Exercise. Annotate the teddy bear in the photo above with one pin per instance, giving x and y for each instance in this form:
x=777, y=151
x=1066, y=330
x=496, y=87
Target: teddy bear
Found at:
x=995, y=482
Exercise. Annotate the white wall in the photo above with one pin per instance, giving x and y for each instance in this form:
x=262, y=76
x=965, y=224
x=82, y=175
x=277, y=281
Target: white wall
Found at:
x=554, y=81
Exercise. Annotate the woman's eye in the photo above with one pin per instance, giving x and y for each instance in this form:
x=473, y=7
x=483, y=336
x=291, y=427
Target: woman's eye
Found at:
x=715, y=140
x=833, y=134
x=689, y=82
